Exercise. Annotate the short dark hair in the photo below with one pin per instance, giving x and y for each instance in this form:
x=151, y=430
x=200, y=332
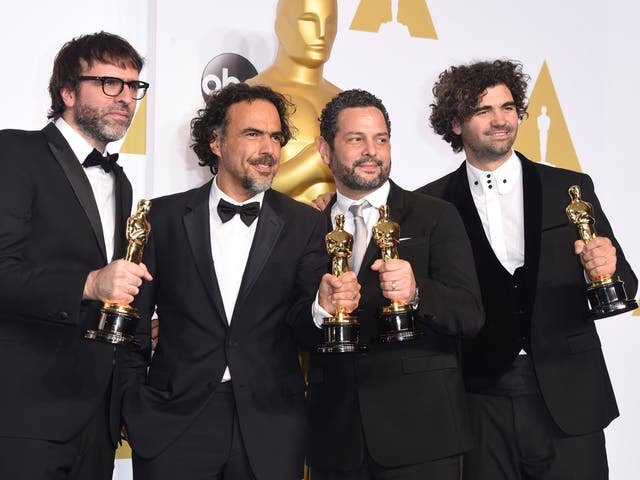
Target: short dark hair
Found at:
x=459, y=89
x=348, y=99
x=213, y=118
x=96, y=47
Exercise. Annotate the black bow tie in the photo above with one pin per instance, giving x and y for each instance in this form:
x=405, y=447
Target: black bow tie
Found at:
x=95, y=159
x=248, y=212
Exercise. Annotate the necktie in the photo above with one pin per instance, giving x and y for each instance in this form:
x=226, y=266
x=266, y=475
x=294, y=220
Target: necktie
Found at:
x=95, y=159
x=248, y=212
x=360, y=237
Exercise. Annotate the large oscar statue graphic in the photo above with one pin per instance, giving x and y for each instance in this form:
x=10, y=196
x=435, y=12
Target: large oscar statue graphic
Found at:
x=117, y=323
x=606, y=294
x=306, y=30
x=395, y=321
x=341, y=332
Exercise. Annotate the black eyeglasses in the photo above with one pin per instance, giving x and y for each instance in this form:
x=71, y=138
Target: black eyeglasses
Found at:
x=112, y=86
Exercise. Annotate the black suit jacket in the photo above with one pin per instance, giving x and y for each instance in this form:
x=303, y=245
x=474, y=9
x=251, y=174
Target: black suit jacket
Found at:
x=565, y=347
x=286, y=261
x=50, y=238
x=407, y=398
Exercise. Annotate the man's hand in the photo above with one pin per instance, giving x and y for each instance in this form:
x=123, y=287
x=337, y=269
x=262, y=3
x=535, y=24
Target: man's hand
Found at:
x=342, y=291
x=117, y=282
x=321, y=201
x=396, y=279
x=598, y=257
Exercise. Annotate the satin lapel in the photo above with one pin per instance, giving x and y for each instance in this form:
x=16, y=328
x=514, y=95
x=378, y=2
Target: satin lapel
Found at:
x=75, y=174
x=123, y=210
x=197, y=226
x=459, y=194
x=270, y=224
x=532, y=193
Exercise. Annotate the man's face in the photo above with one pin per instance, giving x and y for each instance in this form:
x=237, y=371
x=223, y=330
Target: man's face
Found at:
x=100, y=119
x=361, y=156
x=490, y=132
x=306, y=29
x=249, y=149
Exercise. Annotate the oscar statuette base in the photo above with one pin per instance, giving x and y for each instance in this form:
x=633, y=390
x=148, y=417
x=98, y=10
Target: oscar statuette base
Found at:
x=341, y=336
x=396, y=324
x=117, y=325
x=608, y=297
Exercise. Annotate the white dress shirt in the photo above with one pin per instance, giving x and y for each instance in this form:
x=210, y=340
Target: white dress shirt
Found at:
x=103, y=184
x=498, y=196
x=230, y=245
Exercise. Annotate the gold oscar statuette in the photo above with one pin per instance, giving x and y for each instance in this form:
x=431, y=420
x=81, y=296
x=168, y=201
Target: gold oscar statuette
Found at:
x=395, y=321
x=606, y=294
x=341, y=332
x=117, y=323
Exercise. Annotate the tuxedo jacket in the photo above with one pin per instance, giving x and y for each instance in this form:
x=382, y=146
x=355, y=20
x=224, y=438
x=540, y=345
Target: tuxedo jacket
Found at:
x=405, y=401
x=196, y=343
x=565, y=347
x=50, y=238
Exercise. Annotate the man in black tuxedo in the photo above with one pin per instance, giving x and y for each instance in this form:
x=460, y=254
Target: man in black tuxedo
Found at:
x=237, y=266
x=399, y=410
x=60, y=227
x=540, y=391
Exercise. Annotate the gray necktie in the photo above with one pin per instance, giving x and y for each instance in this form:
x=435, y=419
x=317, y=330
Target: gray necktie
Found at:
x=360, y=236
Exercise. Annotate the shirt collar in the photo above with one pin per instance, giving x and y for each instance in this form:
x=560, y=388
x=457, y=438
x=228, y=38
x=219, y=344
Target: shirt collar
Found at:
x=216, y=194
x=376, y=199
x=501, y=180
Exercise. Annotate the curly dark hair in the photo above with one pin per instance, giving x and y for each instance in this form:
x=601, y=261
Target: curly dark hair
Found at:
x=213, y=119
x=348, y=99
x=459, y=89
x=96, y=47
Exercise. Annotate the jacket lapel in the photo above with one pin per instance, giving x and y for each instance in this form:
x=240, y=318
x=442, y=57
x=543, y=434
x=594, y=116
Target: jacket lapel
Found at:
x=270, y=224
x=197, y=227
x=532, y=194
x=78, y=180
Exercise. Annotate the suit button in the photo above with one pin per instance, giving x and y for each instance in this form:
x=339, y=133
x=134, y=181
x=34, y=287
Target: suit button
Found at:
x=63, y=316
x=232, y=343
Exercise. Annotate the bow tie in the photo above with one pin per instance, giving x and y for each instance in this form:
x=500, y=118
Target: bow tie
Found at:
x=95, y=159
x=248, y=213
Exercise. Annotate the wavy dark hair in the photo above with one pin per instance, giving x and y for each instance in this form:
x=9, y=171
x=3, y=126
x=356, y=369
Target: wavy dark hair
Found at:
x=459, y=89
x=95, y=47
x=348, y=99
x=212, y=120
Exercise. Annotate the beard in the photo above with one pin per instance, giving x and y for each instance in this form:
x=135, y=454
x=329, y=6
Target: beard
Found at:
x=261, y=183
x=349, y=178
x=93, y=122
x=488, y=151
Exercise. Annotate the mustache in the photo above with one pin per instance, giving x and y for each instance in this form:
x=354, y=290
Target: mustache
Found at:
x=506, y=128
x=266, y=160
x=364, y=160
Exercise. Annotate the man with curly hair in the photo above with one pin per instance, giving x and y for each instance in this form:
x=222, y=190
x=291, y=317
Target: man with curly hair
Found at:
x=539, y=389
x=236, y=269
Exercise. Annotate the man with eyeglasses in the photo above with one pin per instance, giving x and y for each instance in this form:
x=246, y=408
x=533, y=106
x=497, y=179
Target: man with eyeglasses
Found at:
x=60, y=227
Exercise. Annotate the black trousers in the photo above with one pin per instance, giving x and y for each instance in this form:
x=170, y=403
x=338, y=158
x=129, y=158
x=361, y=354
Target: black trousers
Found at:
x=211, y=448
x=87, y=456
x=518, y=440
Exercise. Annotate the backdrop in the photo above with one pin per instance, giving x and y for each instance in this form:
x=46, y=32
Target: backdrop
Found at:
x=580, y=55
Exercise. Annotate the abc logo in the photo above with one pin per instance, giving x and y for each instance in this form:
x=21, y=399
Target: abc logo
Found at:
x=224, y=69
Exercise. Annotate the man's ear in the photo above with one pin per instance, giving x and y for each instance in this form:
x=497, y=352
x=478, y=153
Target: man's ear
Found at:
x=68, y=96
x=214, y=144
x=455, y=127
x=324, y=149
